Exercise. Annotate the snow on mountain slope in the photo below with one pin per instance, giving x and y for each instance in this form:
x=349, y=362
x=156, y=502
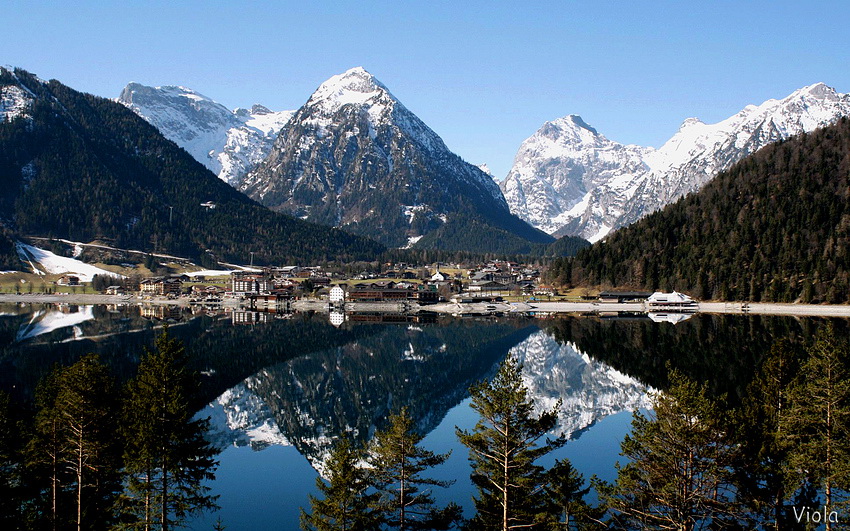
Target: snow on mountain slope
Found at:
x=698, y=151
x=569, y=179
x=354, y=157
x=557, y=168
x=229, y=143
x=589, y=391
x=240, y=418
x=14, y=102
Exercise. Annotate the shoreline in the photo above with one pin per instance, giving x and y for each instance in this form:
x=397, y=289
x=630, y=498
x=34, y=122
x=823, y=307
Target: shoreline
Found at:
x=734, y=308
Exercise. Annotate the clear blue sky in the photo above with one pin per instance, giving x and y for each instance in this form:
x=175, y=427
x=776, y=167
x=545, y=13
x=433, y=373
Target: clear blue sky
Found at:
x=483, y=75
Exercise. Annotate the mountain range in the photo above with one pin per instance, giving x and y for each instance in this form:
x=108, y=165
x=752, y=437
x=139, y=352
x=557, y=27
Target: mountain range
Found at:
x=84, y=168
x=352, y=157
x=229, y=143
x=568, y=178
x=773, y=227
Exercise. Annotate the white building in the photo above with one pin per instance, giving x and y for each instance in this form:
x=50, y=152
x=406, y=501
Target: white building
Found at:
x=671, y=302
x=336, y=295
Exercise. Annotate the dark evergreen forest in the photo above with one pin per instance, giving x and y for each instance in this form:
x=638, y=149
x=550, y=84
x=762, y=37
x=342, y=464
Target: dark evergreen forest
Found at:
x=775, y=227
x=86, y=168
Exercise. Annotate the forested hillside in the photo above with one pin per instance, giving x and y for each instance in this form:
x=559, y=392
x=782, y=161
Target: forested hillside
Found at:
x=775, y=227
x=85, y=168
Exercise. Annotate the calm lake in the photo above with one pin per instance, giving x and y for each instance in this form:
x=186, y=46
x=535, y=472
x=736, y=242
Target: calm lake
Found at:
x=280, y=389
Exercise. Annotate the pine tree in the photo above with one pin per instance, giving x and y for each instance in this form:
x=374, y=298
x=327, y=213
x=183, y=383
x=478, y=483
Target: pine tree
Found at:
x=44, y=454
x=346, y=506
x=819, y=420
x=86, y=407
x=398, y=462
x=167, y=460
x=762, y=436
x=504, y=448
x=73, y=455
x=566, y=490
x=679, y=471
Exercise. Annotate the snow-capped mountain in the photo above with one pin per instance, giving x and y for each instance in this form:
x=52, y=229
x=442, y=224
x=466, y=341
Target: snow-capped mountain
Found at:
x=569, y=179
x=229, y=143
x=353, y=156
x=486, y=169
x=588, y=390
x=557, y=168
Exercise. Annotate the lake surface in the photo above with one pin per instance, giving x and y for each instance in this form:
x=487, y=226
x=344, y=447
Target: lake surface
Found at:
x=280, y=389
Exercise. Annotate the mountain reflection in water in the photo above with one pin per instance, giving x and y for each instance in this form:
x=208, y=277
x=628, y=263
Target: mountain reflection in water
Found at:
x=294, y=383
x=309, y=402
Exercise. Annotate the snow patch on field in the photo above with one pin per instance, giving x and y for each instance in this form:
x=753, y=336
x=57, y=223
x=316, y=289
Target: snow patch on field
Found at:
x=211, y=273
x=55, y=264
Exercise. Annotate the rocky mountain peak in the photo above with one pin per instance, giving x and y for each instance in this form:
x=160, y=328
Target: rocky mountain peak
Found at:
x=354, y=157
x=569, y=181
x=578, y=122
x=260, y=110
x=354, y=86
x=819, y=91
x=690, y=122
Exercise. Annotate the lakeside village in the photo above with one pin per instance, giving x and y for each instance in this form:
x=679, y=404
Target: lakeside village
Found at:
x=397, y=293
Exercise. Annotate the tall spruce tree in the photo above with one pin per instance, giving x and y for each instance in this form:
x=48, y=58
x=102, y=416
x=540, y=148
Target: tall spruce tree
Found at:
x=566, y=490
x=347, y=504
x=819, y=421
x=398, y=463
x=505, y=445
x=46, y=448
x=761, y=433
x=167, y=460
x=86, y=403
x=679, y=470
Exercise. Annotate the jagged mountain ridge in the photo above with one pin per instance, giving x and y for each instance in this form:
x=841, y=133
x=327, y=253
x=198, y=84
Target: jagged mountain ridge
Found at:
x=354, y=157
x=774, y=227
x=229, y=143
x=569, y=179
x=78, y=167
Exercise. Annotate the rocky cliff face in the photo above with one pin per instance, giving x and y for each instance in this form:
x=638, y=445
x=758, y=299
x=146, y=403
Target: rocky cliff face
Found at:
x=569, y=179
x=557, y=170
